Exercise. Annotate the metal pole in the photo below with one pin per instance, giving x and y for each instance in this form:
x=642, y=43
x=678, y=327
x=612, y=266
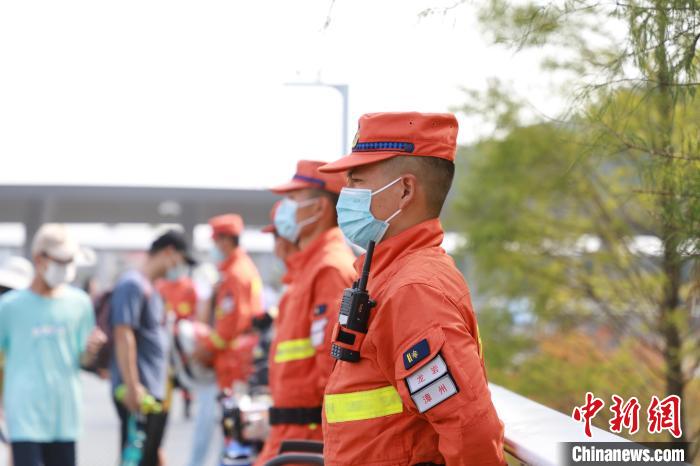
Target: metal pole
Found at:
x=343, y=89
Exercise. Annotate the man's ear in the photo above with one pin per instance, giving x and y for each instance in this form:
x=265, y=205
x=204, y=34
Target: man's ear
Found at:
x=408, y=184
x=39, y=260
x=325, y=205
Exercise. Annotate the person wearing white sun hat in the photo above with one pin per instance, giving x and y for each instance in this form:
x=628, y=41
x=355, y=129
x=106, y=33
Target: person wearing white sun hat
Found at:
x=46, y=332
x=15, y=273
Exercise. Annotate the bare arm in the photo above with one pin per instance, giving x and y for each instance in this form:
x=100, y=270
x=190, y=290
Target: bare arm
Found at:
x=125, y=352
x=95, y=341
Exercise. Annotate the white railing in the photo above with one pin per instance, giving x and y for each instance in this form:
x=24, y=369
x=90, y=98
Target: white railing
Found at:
x=534, y=432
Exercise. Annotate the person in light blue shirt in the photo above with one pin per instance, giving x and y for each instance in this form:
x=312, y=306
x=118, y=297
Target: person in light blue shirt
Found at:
x=46, y=332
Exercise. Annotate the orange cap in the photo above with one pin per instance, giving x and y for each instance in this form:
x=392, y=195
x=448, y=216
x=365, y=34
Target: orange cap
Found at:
x=228, y=224
x=271, y=227
x=308, y=176
x=381, y=136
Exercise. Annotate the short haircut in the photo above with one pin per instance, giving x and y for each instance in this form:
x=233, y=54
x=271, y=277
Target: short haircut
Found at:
x=173, y=239
x=433, y=173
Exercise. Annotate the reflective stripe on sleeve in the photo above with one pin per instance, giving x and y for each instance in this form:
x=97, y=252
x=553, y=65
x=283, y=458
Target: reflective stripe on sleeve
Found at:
x=357, y=406
x=217, y=341
x=292, y=350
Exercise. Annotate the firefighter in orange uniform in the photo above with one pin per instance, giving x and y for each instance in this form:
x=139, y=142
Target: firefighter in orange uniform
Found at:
x=237, y=299
x=300, y=360
x=417, y=395
x=283, y=248
x=179, y=296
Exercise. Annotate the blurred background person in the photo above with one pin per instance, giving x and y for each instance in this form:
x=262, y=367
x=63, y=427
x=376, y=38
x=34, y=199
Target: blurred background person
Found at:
x=206, y=417
x=140, y=339
x=319, y=266
x=46, y=333
x=16, y=273
x=237, y=299
x=179, y=296
x=282, y=248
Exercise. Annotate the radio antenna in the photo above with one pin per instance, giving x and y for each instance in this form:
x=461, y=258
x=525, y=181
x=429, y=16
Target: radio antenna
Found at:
x=366, y=266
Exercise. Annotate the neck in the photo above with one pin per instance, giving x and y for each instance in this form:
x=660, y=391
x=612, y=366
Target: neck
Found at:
x=149, y=271
x=315, y=231
x=403, y=222
x=39, y=287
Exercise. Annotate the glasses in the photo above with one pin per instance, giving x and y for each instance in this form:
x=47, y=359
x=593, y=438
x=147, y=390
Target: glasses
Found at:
x=58, y=261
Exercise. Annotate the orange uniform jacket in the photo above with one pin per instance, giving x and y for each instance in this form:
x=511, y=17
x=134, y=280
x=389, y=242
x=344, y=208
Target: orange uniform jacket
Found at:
x=300, y=360
x=180, y=297
x=419, y=392
x=238, y=299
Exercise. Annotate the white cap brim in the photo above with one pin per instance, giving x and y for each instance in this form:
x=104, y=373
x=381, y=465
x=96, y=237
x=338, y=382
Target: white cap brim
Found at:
x=14, y=280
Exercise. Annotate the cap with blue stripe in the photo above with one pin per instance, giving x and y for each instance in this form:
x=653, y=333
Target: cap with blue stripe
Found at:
x=384, y=146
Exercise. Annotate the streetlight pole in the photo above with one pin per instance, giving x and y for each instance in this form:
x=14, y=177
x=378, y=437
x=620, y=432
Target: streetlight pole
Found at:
x=344, y=91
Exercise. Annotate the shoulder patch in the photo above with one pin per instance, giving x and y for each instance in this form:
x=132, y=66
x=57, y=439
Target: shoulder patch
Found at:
x=435, y=393
x=318, y=331
x=416, y=353
x=227, y=304
x=424, y=376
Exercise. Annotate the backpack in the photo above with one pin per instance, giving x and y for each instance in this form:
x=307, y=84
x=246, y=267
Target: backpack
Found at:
x=103, y=313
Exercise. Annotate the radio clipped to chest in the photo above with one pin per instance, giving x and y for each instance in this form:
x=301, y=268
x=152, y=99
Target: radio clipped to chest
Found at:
x=353, y=319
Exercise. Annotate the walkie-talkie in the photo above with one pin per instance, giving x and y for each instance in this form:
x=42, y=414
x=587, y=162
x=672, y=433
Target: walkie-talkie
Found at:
x=353, y=319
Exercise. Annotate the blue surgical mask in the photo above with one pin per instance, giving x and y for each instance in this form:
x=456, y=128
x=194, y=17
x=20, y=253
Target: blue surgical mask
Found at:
x=286, y=218
x=177, y=272
x=216, y=255
x=355, y=217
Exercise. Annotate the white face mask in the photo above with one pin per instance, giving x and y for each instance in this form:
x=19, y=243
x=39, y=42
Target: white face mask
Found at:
x=286, y=218
x=57, y=274
x=176, y=272
x=355, y=217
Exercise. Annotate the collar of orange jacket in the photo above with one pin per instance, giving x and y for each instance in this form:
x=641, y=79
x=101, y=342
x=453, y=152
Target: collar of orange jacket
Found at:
x=300, y=260
x=427, y=234
x=231, y=259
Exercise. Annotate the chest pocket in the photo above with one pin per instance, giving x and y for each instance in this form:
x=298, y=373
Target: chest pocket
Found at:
x=226, y=305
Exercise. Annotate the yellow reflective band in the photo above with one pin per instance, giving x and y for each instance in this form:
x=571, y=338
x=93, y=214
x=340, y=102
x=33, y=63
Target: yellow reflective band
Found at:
x=357, y=406
x=217, y=341
x=478, y=340
x=184, y=309
x=256, y=288
x=292, y=350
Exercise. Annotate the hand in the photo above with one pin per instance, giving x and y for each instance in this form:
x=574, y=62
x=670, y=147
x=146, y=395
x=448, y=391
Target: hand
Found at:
x=134, y=397
x=202, y=354
x=95, y=342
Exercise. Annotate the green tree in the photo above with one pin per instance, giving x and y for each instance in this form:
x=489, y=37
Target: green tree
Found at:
x=554, y=213
x=554, y=208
